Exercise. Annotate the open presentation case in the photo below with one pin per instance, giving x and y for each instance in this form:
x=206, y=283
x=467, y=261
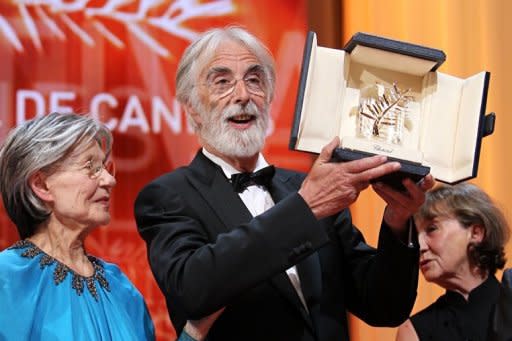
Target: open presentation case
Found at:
x=383, y=96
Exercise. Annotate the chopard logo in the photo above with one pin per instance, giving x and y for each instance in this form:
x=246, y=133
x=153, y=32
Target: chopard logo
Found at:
x=380, y=148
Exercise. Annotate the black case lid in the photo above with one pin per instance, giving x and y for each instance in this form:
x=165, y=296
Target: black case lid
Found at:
x=396, y=46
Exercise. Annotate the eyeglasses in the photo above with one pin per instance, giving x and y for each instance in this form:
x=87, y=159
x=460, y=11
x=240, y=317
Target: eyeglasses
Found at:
x=224, y=84
x=95, y=167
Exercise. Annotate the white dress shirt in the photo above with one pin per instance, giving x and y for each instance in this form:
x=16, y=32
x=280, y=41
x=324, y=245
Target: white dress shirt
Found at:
x=257, y=200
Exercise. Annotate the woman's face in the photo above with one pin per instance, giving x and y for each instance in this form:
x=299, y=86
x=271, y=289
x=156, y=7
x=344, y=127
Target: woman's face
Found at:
x=79, y=191
x=444, y=249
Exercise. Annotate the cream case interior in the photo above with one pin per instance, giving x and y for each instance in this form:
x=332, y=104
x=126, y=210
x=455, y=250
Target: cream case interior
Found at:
x=382, y=102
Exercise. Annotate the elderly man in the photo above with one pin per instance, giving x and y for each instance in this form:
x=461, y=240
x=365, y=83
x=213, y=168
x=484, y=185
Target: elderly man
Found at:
x=276, y=248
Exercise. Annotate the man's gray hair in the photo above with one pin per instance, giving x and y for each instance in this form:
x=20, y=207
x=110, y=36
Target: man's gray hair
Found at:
x=41, y=144
x=200, y=52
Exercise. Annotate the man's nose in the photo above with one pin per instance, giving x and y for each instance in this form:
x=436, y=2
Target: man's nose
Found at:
x=240, y=93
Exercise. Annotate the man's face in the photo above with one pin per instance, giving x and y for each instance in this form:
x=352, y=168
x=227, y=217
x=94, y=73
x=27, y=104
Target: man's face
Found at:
x=231, y=111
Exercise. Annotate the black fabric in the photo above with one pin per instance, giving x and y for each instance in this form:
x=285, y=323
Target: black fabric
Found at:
x=262, y=177
x=452, y=318
x=206, y=252
x=501, y=329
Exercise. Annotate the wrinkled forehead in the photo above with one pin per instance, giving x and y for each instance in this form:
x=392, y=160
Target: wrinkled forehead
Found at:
x=230, y=55
x=77, y=154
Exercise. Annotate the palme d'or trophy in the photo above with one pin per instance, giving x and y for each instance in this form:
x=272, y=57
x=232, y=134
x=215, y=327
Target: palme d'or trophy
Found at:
x=382, y=113
x=386, y=97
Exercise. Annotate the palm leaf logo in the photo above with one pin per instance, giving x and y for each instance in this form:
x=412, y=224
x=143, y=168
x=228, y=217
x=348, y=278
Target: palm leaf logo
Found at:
x=382, y=112
x=139, y=17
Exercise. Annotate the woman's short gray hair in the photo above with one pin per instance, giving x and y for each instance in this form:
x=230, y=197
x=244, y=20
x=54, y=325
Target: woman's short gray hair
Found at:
x=41, y=144
x=200, y=52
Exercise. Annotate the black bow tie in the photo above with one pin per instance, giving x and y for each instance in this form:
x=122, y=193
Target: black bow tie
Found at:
x=263, y=177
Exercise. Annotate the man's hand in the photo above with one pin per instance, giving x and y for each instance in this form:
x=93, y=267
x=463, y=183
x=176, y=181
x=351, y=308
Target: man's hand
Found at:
x=402, y=205
x=333, y=186
x=198, y=329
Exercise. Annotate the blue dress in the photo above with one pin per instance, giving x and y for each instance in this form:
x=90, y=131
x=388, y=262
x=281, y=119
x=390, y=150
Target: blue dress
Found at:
x=43, y=299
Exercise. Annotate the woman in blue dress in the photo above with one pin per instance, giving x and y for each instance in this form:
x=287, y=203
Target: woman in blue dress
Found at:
x=56, y=182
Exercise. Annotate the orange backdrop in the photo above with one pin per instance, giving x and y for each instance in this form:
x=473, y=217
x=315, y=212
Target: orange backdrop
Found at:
x=117, y=60
x=475, y=35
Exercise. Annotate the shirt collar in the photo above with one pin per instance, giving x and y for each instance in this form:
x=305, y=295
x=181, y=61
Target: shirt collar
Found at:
x=227, y=168
x=487, y=291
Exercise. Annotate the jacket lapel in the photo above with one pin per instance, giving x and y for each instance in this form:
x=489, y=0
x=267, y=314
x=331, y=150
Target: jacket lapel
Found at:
x=311, y=282
x=308, y=269
x=210, y=181
x=283, y=285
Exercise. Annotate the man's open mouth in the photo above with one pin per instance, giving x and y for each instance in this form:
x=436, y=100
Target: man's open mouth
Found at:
x=241, y=119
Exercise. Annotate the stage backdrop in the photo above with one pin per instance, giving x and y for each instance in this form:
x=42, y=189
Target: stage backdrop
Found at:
x=475, y=36
x=117, y=59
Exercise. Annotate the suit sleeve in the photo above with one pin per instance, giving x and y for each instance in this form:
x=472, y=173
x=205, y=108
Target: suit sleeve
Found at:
x=198, y=275
x=380, y=284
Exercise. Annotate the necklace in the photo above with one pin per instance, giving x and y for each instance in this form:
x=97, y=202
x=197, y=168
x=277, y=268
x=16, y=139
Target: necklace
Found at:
x=61, y=271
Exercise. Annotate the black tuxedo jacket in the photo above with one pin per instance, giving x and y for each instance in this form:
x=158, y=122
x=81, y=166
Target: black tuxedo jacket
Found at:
x=206, y=251
x=501, y=323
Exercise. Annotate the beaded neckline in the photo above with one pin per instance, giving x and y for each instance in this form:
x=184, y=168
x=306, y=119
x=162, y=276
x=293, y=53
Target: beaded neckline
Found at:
x=61, y=270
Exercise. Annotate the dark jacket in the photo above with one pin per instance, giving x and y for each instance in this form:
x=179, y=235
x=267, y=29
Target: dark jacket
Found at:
x=501, y=324
x=206, y=251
